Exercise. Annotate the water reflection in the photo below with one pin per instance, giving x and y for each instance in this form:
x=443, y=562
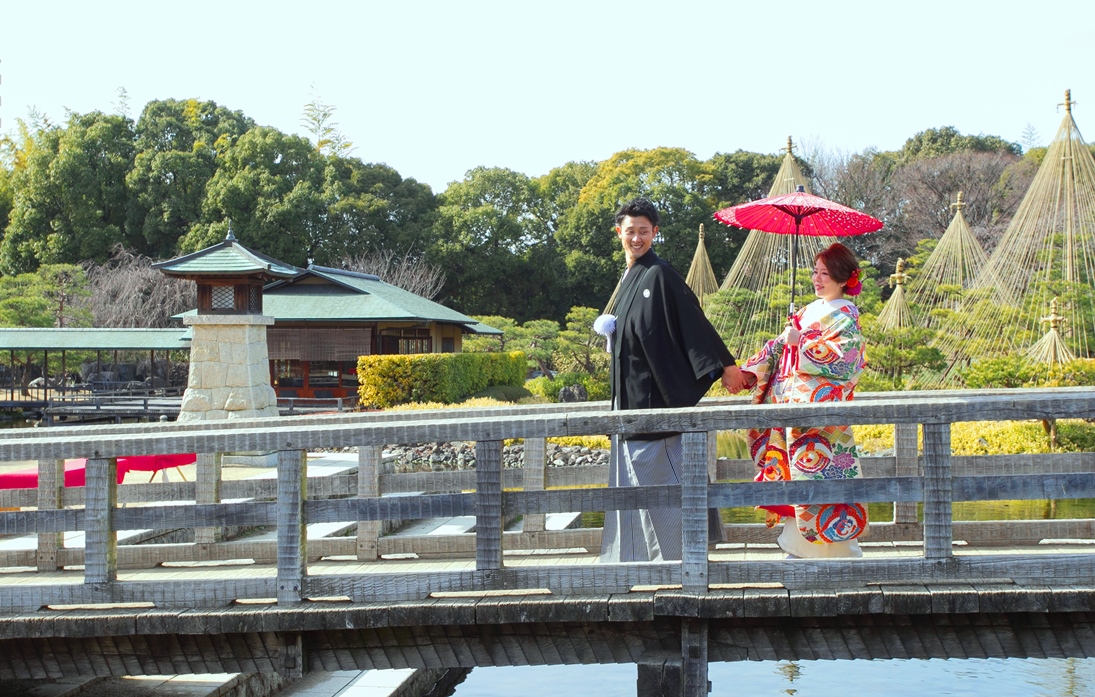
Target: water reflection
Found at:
x=972, y=677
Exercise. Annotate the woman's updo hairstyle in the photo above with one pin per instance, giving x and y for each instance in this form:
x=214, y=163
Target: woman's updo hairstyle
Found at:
x=843, y=267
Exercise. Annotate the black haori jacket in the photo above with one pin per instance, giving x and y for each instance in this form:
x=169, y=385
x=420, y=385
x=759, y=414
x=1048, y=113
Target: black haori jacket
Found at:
x=665, y=353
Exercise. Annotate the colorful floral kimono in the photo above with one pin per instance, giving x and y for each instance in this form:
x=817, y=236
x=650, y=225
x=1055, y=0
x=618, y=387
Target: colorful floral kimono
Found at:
x=830, y=359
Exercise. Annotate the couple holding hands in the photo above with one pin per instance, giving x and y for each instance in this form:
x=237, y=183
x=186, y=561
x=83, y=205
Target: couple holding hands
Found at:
x=666, y=354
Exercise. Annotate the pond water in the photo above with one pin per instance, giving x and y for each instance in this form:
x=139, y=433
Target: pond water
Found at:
x=1010, y=677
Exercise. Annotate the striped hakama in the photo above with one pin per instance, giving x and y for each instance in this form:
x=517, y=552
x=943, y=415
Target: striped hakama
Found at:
x=647, y=534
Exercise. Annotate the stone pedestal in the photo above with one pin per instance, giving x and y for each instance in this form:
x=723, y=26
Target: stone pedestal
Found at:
x=229, y=369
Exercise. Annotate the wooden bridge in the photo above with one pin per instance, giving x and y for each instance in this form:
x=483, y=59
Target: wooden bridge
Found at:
x=936, y=588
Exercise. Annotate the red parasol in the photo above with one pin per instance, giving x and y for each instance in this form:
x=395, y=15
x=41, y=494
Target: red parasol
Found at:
x=798, y=213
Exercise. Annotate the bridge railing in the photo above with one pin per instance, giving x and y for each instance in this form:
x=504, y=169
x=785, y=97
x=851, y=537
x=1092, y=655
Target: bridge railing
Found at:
x=935, y=482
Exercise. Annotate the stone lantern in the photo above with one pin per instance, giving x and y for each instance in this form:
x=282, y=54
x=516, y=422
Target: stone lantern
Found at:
x=229, y=363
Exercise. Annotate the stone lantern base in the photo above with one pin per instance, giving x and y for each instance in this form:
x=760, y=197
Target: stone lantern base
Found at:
x=229, y=369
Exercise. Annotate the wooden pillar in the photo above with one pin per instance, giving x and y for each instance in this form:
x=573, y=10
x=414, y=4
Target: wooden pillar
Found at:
x=64, y=372
x=660, y=676
x=488, y=505
x=534, y=479
x=45, y=375
x=51, y=487
x=100, y=537
x=369, y=464
x=907, y=465
x=937, y=491
x=11, y=368
x=208, y=487
x=694, y=512
x=693, y=657
x=292, y=535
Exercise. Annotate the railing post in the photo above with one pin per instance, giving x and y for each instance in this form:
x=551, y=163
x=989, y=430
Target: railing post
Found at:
x=534, y=472
x=937, y=491
x=713, y=469
x=907, y=465
x=100, y=537
x=208, y=487
x=51, y=487
x=292, y=535
x=694, y=513
x=488, y=505
x=369, y=461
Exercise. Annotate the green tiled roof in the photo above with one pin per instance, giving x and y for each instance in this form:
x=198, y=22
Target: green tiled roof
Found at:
x=24, y=339
x=229, y=258
x=350, y=296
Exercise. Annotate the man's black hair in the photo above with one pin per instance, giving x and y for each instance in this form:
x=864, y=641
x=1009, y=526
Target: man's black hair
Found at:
x=636, y=208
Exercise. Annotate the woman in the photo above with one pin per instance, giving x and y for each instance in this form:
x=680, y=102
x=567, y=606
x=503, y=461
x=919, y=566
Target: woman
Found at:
x=818, y=358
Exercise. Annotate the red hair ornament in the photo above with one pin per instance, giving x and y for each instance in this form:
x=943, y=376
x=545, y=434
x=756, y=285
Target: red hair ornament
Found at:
x=853, y=286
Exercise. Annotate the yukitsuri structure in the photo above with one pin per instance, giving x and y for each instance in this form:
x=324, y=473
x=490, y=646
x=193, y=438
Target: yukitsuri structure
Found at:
x=757, y=288
x=896, y=313
x=953, y=266
x=1048, y=251
x=1051, y=348
x=701, y=277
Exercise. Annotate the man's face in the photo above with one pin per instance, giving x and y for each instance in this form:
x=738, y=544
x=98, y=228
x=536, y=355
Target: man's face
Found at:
x=636, y=234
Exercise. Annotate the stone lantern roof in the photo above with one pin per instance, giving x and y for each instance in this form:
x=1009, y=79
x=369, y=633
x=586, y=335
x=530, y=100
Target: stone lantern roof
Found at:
x=227, y=258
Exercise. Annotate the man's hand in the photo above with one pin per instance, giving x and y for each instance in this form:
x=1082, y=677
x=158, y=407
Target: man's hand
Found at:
x=733, y=381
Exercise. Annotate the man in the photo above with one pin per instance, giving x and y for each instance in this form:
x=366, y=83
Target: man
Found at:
x=665, y=354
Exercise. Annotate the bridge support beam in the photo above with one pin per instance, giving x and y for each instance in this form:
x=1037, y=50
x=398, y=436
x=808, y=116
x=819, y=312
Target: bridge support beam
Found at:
x=663, y=674
x=51, y=487
x=369, y=462
x=292, y=533
x=660, y=676
x=694, y=658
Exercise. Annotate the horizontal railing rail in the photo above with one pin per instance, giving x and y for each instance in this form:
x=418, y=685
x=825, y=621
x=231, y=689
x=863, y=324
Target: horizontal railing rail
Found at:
x=936, y=480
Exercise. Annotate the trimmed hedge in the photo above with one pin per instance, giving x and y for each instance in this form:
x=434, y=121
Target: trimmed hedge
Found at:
x=387, y=380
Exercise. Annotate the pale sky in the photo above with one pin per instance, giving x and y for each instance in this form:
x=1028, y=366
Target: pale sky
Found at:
x=436, y=88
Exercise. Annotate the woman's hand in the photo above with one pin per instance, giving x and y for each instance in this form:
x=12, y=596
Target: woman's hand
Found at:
x=790, y=335
x=733, y=380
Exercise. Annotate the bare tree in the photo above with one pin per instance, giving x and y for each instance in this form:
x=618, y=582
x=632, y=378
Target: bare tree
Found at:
x=914, y=199
x=408, y=271
x=127, y=292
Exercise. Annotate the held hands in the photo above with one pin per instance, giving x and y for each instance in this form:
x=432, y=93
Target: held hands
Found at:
x=733, y=380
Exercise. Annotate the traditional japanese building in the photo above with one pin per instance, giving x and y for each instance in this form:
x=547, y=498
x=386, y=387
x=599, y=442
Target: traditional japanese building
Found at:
x=322, y=318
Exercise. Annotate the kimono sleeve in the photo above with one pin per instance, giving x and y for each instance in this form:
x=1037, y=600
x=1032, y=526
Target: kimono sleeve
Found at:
x=763, y=366
x=690, y=355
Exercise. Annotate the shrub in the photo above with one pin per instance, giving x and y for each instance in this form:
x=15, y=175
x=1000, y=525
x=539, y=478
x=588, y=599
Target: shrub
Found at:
x=596, y=386
x=473, y=402
x=992, y=437
x=1007, y=371
x=591, y=442
x=387, y=380
x=504, y=393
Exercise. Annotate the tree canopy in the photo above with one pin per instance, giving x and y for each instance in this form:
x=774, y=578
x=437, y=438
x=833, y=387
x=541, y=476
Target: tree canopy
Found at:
x=506, y=243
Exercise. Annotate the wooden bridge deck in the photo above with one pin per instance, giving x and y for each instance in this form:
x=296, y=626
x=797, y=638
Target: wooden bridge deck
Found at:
x=297, y=603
